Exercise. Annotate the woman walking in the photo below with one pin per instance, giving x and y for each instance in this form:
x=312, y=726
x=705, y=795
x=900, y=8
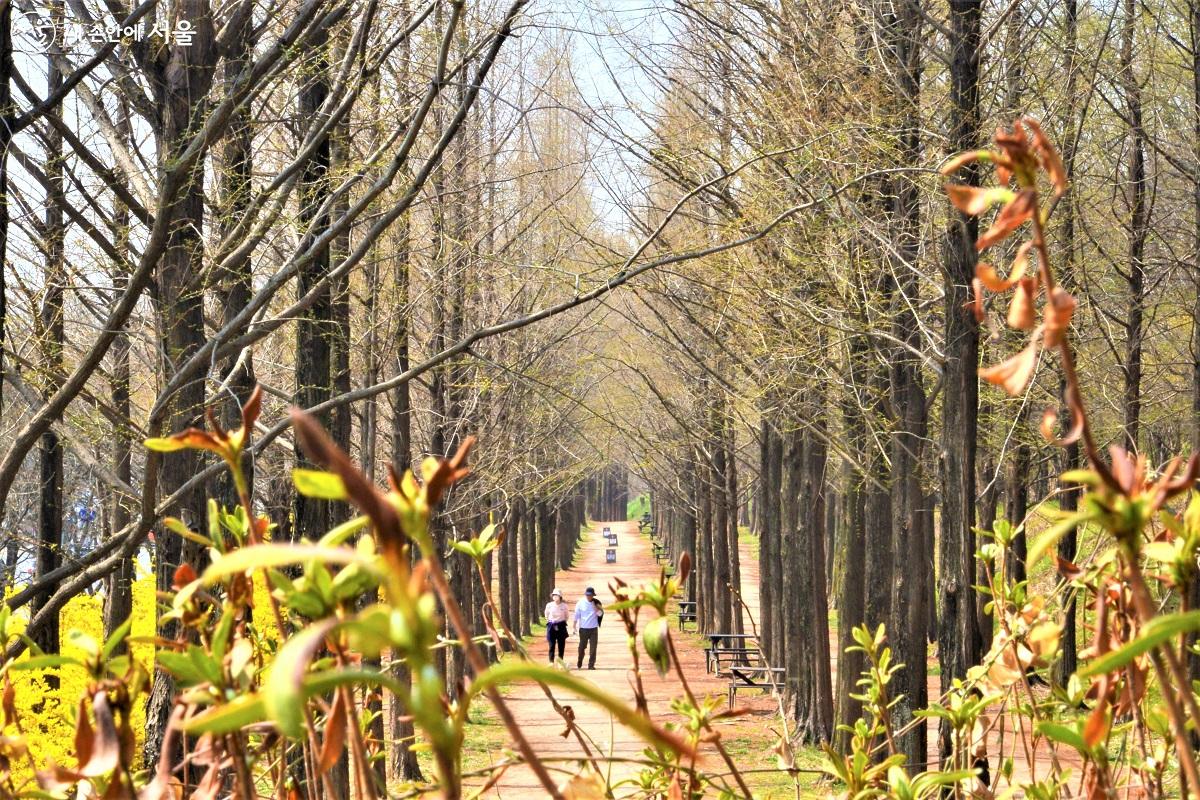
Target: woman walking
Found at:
x=557, y=612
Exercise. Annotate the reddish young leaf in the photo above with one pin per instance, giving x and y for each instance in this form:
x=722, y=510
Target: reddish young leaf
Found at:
x=9, y=702
x=84, y=735
x=251, y=409
x=685, y=567
x=1068, y=569
x=106, y=746
x=1060, y=307
x=1022, y=311
x=975, y=304
x=190, y=439
x=962, y=159
x=1013, y=374
x=974, y=200
x=1018, y=211
x=993, y=282
x=1050, y=421
x=1051, y=161
x=184, y=574
x=335, y=734
x=1096, y=728
x=449, y=472
x=322, y=450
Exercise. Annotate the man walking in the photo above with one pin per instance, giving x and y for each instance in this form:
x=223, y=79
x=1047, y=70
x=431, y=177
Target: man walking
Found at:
x=588, y=613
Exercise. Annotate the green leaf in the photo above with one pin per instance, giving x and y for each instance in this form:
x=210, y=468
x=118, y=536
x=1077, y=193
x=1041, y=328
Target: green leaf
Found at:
x=342, y=532
x=182, y=666
x=247, y=709
x=1063, y=735
x=319, y=484
x=1056, y=532
x=284, y=689
x=44, y=662
x=77, y=638
x=513, y=671
x=242, y=710
x=1086, y=477
x=278, y=555
x=1155, y=632
x=117, y=636
x=324, y=682
x=1164, y=552
x=654, y=639
x=164, y=445
x=220, y=637
x=176, y=526
x=466, y=547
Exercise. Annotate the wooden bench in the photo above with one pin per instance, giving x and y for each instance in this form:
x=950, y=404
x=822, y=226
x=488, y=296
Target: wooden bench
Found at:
x=727, y=657
x=768, y=679
x=733, y=647
x=687, y=612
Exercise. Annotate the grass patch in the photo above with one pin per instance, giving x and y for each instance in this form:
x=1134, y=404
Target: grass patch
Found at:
x=752, y=749
x=636, y=507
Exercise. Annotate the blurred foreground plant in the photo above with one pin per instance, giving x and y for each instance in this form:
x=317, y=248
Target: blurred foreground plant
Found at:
x=266, y=696
x=1125, y=723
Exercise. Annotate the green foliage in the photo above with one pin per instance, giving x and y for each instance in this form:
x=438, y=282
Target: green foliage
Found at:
x=636, y=507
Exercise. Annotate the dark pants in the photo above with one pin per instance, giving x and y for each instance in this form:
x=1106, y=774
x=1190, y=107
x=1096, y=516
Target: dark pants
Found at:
x=588, y=635
x=556, y=635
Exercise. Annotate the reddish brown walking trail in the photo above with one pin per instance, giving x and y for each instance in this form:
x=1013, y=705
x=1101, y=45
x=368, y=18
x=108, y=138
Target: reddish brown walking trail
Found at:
x=614, y=671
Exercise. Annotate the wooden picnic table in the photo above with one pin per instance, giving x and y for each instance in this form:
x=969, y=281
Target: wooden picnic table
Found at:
x=714, y=639
x=766, y=678
x=687, y=612
x=737, y=648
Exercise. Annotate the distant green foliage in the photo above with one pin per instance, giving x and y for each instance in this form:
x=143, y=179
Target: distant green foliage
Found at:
x=637, y=506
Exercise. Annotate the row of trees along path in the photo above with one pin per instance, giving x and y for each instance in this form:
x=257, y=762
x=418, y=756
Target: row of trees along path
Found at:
x=544, y=728
x=636, y=564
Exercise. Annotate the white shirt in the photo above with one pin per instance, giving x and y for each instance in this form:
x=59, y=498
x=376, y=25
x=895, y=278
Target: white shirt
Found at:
x=585, y=614
x=556, y=612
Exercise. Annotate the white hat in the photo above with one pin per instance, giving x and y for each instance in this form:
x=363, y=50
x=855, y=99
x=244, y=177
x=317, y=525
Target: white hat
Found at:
x=556, y=592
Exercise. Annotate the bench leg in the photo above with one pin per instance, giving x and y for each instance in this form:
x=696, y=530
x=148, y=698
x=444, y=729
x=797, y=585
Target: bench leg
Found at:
x=732, y=691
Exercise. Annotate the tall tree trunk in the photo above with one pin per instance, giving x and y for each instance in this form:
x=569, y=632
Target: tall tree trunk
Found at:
x=234, y=282
x=851, y=608
x=7, y=111
x=1139, y=228
x=1194, y=30
x=769, y=568
x=902, y=37
x=1069, y=498
x=180, y=100
x=723, y=596
x=792, y=554
x=314, y=327
x=118, y=587
x=959, y=642
x=808, y=644
x=737, y=624
x=706, y=572
x=50, y=452
x=1016, y=500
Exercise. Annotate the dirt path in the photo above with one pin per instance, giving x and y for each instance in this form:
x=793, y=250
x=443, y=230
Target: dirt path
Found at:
x=614, y=670
x=750, y=736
